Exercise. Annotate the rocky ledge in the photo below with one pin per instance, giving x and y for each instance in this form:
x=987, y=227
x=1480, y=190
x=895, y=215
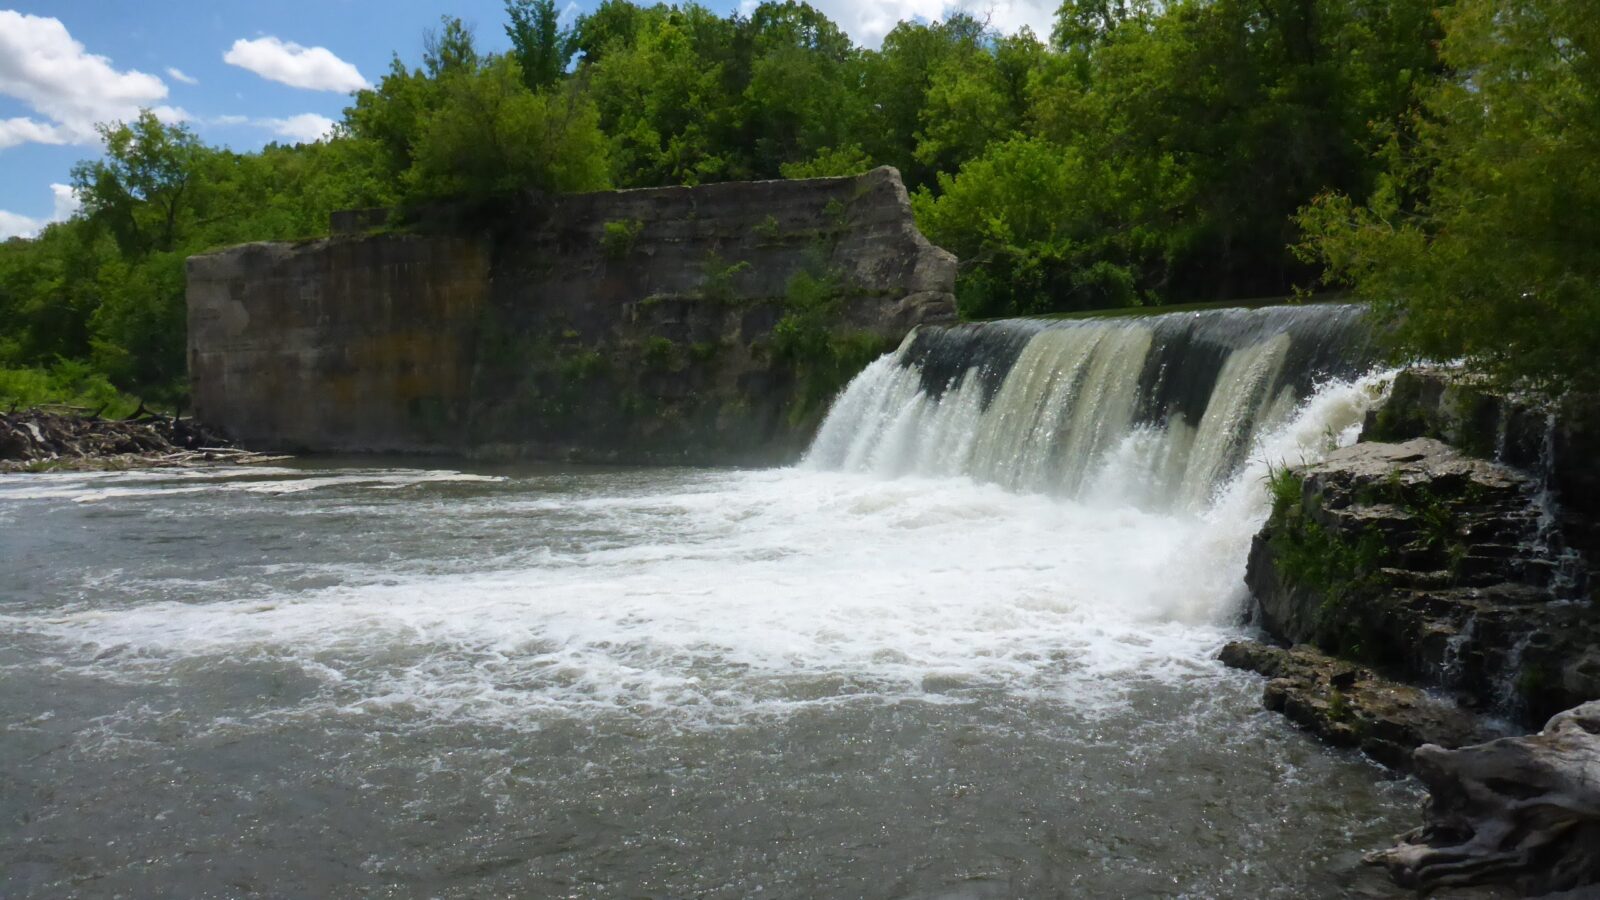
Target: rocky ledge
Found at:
x=1433, y=567
x=1351, y=706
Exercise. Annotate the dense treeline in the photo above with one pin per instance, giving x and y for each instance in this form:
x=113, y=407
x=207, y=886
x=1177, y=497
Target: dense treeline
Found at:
x=1441, y=157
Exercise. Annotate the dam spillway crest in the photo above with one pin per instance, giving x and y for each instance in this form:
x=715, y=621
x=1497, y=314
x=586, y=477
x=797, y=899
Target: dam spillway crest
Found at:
x=1169, y=406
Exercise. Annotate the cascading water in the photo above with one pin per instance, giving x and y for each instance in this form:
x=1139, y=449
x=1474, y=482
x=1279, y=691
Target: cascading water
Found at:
x=1180, y=416
x=1045, y=406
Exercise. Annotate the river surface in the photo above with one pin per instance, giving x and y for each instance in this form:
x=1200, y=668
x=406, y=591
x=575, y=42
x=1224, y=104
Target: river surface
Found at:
x=371, y=678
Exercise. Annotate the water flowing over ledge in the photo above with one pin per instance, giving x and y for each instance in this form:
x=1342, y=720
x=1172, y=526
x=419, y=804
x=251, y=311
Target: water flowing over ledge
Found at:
x=1160, y=411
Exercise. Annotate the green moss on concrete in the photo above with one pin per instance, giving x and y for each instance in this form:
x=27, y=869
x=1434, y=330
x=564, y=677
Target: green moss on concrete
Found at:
x=618, y=237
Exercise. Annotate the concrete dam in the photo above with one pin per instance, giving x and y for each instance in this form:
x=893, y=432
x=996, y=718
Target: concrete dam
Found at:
x=699, y=325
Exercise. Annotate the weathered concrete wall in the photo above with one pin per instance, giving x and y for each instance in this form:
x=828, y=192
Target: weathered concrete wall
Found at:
x=674, y=324
x=343, y=344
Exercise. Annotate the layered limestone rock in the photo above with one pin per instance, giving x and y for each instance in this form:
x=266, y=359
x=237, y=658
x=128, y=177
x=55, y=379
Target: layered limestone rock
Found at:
x=1436, y=567
x=706, y=324
x=1438, y=585
x=1351, y=706
x=1556, y=440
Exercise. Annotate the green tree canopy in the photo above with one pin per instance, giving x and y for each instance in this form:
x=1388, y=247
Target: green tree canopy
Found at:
x=541, y=46
x=491, y=136
x=1483, y=240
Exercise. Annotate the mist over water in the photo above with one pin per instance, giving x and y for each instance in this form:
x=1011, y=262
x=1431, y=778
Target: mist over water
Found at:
x=963, y=650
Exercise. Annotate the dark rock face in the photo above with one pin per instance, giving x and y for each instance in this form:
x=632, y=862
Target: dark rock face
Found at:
x=1432, y=402
x=1431, y=565
x=706, y=324
x=1556, y=442
x=1523, y=811
x=343, y=344
x=1351, y=706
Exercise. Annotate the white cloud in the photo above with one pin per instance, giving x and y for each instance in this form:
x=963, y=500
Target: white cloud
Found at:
x=868, y=22
x=27, y=131
x=177, y=74
x=304, y=128
x=70, y=88
x=312, y=68
x=66, y=202
x=17, y=225
x=13, y=225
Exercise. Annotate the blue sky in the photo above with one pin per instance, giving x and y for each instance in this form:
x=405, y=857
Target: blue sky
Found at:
x=245, y=73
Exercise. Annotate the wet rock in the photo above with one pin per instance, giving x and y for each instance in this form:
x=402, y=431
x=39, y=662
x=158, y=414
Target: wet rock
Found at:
x=1434, y=566
x=1466, y=413
x=1520, y=811
x=1350, y=706
x=1557, y=441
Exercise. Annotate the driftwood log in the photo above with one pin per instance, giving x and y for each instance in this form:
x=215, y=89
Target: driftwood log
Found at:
x=1518, y=811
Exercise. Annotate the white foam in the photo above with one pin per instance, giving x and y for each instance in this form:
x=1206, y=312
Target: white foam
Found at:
x=711, y=597
x=96, y=487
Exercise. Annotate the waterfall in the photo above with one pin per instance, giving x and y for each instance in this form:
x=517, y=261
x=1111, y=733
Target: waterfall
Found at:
x=1168, y=407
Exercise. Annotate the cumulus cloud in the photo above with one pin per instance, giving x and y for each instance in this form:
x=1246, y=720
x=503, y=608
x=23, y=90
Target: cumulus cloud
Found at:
x=17, y=225
x=70, y=88
x=14, y=225
x=868, y=22
x=27, y=131
x=312, y=68
x=304, y=128
x=177, y=74
x=66, y=202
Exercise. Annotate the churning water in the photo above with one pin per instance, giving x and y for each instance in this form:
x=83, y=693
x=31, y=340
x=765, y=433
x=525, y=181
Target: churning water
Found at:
x=963, y=650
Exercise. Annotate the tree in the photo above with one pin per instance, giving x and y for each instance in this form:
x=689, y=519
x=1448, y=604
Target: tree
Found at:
x=1040, y=227
x=449, y=50
x=142, y=188
x=614, y=25
x=666, y=101
x=1083, y=25
x=1481, y=241
x=541, y=46
x=974, y=99
x=803, y=87
x=491, y=136
x=897, y=79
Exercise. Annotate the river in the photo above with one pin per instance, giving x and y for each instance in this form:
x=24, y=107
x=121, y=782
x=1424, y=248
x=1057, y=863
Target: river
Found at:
x=865, y=675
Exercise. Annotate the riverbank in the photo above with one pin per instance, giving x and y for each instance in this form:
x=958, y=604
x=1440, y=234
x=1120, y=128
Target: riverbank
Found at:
x=41, y=440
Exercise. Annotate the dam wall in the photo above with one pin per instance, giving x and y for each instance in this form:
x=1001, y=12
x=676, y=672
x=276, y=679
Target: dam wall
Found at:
x=707, y=324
